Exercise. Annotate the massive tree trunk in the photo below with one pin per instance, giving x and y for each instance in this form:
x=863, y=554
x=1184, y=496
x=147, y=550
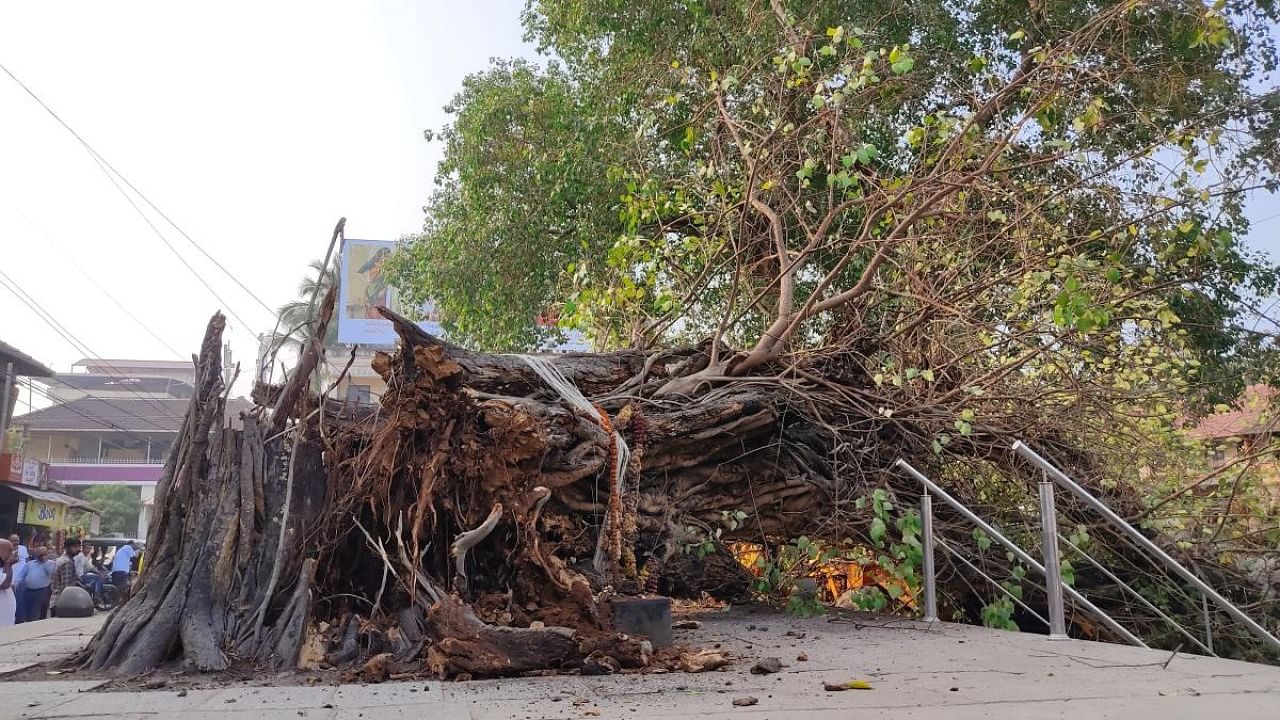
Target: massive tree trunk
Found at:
x=481, y=519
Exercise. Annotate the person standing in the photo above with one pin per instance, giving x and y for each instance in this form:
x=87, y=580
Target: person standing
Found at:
x=64, y=571
x=19, y=571
x=36, y=581
x=8, y=603
x=17, y=545
x=122, y=564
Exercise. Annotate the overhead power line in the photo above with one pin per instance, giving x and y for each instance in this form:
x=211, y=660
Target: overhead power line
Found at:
x=26, y=298
x=89, y=276
x=110, y=170
x=168, y=244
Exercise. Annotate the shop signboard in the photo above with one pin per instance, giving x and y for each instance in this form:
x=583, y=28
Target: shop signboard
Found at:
x=11, y=467
x=45, y=513
x=31, y=474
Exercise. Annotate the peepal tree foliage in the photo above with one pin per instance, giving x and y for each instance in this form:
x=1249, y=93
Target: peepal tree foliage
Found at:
x=1041, y=195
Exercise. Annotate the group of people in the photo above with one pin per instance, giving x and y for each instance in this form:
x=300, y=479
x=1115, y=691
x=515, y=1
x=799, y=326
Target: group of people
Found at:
x=31, y=580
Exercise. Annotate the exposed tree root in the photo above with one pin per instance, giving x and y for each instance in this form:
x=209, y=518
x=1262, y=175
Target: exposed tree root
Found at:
x=455, y=529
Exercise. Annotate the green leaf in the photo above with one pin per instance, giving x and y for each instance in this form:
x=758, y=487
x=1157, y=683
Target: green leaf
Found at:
x=877, y=530
x=1068, y=572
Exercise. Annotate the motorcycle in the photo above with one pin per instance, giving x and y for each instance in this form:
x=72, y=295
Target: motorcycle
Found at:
x=106, y=596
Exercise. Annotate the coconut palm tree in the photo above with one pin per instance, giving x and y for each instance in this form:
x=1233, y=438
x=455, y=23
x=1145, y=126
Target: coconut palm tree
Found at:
x=297, y=318
x=297, y=321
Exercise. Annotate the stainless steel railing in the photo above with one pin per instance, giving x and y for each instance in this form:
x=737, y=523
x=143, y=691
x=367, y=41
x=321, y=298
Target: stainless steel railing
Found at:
x=1051, y=569
x=1054, y=590
x=1207, y=592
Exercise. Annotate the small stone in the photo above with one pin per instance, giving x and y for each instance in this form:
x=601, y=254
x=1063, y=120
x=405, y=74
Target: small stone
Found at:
x=229, y=700
x=745, y=701
x=686, y=625
x=767, y=666
x=597, y=663
x=802, y=658
x=182, y=693
x=955, y=689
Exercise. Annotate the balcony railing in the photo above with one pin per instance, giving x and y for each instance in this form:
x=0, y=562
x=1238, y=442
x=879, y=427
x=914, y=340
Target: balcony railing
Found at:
x=105, y=461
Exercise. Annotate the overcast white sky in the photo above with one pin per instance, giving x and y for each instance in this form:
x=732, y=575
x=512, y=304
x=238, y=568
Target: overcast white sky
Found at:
x=254, y=125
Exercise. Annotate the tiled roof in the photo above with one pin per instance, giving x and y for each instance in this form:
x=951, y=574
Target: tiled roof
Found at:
x=91, y=383
x=162, y=415
x=23, y=364
x=1251, y=415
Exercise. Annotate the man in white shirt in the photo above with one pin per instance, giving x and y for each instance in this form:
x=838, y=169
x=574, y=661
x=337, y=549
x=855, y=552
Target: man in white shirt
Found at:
x=122, y=564
x=19, y=573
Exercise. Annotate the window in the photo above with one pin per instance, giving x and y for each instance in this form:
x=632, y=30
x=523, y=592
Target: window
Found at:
x=358, y=394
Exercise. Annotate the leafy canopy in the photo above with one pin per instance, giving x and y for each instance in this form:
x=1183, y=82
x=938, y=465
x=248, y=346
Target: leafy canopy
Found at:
x=119, y=507
x=976, y=199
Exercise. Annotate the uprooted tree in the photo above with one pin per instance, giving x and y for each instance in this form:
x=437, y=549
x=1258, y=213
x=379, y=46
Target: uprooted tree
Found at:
x=830, y=235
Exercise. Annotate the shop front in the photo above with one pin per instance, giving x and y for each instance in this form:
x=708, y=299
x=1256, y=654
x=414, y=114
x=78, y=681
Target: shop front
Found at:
x=37, y=514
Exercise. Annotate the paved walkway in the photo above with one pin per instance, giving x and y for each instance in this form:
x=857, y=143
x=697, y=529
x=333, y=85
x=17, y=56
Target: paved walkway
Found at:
x=943, y=671
x=22, y=646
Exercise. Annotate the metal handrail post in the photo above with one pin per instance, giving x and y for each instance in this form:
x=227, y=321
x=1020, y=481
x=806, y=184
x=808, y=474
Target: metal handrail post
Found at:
x=1021, y=554
x=1208, y=624
x=930, y=587
x=1052, y=561
x=1146, y=543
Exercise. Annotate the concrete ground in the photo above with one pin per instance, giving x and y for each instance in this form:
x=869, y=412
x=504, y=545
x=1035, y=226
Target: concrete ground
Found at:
x=914, y=670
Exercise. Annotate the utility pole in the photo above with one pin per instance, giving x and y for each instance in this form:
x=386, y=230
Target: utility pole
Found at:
x=4, y=408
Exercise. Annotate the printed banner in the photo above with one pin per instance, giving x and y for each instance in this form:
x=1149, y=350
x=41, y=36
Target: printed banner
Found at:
x=362, y=286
